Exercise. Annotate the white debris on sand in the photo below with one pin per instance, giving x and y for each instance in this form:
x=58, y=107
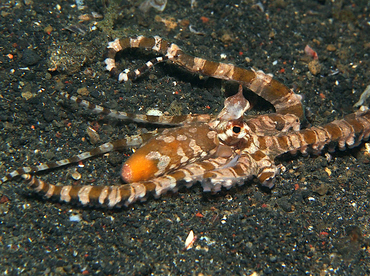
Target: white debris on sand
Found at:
x=363, y=97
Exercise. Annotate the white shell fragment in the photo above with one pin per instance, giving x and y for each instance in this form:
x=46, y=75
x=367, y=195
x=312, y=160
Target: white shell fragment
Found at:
x=154, y=112
x=191, y=238
x=159, y=5
x=75, y=218
x=93, y=135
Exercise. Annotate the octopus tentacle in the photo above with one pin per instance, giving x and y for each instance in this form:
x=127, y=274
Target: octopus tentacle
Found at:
x=280, y=96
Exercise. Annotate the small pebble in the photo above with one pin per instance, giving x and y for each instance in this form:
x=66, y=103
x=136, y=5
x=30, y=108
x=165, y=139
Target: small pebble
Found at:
x=30, y=57
x=331, y=48
x=227, y=38
x=48, y=29
x=83, y=91
x=322, y=190
x=27, y=95
x=76, y=175
x=314, y=66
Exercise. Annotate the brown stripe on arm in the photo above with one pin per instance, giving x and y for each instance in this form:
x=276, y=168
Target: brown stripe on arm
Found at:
x=279, y=95
x=244, y=75
x=232, y=172
x=18, y=172
x=144, y=42
x=359, y=126
x=186, y=61
x=115, y=196
x=291, y=142
x=270, y=124
x=284, y=99
x=114, y=72
x=43, y=188
x=348, y=132
x=163, y=46
x=111, y=53
x=110, y=196
x=209, y=68
x=125, y=43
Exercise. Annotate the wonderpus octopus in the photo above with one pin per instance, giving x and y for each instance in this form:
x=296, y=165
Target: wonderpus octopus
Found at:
x=217, y=151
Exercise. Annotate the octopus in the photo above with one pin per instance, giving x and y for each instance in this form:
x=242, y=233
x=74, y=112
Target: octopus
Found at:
x=217, y=151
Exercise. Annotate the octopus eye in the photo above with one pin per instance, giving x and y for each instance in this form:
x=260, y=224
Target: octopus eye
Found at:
x=236, y=129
